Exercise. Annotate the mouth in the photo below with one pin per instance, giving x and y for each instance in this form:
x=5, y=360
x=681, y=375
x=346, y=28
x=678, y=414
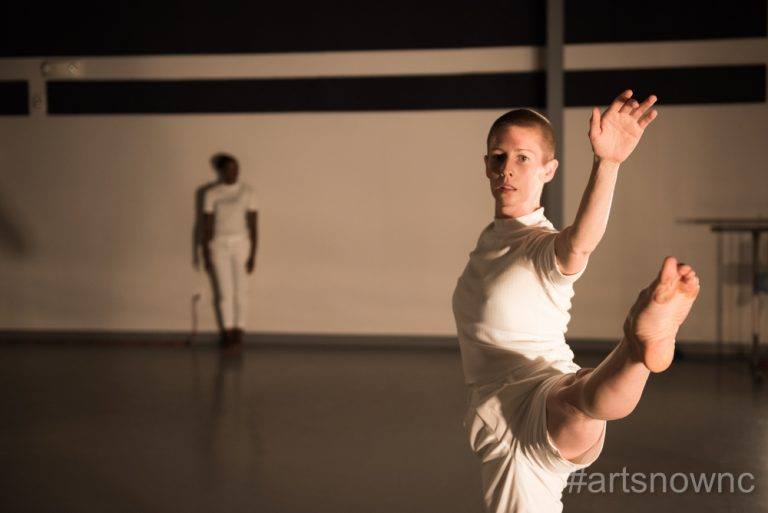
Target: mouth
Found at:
x=506, y=188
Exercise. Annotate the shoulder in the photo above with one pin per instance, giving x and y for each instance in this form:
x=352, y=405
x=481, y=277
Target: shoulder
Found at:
x=486, y=235
x=542, y=228
x=535, y=241
x=213, y=190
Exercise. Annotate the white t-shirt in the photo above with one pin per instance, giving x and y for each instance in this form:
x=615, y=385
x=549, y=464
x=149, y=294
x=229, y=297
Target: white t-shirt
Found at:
x=229, y=204
x=512, y=302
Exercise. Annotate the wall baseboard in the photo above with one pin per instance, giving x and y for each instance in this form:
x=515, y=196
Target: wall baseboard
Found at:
x=695, y=350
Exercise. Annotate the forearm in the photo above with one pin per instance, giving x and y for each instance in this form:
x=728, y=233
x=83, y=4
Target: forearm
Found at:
x=592, y=217
x=253, y=231
x=206, y=247
x=207, y=235
x=254, y=242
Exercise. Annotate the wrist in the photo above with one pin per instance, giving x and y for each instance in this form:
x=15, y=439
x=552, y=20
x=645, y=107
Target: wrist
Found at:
x=606, y=164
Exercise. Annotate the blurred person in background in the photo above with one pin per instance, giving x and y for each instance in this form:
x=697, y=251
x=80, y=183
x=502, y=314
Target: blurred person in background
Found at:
x=230, y=236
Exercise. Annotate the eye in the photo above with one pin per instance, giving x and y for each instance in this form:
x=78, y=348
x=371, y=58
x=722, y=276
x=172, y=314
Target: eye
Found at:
x=499, y=157
x=523, y=158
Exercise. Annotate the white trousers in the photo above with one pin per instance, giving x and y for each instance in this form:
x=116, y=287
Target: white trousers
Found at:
x=229, y=256
x=522, y=469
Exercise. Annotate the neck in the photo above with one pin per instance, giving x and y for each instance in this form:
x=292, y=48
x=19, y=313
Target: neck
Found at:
x=512, y=211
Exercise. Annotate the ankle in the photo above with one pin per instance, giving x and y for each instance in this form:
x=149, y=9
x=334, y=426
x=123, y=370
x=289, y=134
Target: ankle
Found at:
x=631, y=342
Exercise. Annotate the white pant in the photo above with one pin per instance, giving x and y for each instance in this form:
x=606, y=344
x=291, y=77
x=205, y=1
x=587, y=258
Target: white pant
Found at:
x=522, y=469
x=229, y=256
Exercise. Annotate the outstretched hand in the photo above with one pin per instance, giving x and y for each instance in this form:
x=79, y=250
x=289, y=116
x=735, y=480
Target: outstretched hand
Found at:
x=616, y=132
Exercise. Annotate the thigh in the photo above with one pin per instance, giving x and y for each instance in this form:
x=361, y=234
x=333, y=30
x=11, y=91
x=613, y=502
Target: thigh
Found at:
x=221, y=257
x=516, y=477
x=240, y=255
x=577, y=437
x=242, y=252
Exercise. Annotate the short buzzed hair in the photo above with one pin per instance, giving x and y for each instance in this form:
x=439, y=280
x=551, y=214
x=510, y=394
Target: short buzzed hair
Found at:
x=526, y=118
x=220, y=160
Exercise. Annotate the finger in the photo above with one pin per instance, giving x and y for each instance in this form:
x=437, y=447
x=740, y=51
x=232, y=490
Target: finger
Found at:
x=640, y=110
x=619, y=101
x=646, y=120
x=594, y=122
x=629, y=106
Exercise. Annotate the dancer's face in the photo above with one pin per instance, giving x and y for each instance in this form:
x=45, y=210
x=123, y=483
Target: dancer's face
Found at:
x=517, y=166
x=230, y=172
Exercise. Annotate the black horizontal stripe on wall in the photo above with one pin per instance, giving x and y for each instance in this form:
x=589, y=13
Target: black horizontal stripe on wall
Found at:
x=691, y=85
x=422, y=92
x=595, y=21
x=204, y=27
x=14, y=98
x=199, y=27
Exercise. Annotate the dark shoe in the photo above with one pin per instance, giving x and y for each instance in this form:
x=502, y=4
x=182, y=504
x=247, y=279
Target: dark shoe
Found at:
x=234, y=342
x=225, y=339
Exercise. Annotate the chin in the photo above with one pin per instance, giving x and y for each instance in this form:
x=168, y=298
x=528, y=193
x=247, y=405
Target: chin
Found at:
x=506, y=204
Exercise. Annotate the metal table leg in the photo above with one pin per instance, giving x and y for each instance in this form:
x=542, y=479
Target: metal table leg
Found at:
x=755, y=361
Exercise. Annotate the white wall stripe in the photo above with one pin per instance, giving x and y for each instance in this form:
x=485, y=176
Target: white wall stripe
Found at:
x=293, y=65
x=402, y=62
x=666, y=54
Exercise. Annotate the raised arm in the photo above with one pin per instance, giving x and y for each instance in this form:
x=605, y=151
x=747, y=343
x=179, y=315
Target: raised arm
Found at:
x=614, y=135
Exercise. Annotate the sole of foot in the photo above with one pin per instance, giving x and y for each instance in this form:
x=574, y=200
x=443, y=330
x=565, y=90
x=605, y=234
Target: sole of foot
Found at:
x=660, y=309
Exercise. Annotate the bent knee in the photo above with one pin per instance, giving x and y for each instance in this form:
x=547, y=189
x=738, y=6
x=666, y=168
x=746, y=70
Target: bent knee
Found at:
x=568, y=398
x=564, y=404
x=563, y=410
x=572, y=431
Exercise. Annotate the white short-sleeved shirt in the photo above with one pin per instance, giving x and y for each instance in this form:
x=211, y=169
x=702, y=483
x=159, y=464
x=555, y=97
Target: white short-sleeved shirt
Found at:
x=512, y=302
x=229, y=204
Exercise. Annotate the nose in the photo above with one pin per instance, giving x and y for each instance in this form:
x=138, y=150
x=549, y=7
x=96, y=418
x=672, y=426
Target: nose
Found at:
x=505, y=169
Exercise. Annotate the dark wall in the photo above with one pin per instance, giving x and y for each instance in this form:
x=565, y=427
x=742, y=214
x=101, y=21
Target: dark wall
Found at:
x=193, y=27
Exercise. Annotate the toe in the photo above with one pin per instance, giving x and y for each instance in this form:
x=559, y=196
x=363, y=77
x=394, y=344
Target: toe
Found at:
x=668, y=269
x=690, y=283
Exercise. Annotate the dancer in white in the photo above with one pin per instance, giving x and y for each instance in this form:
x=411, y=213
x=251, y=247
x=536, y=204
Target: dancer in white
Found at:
x=534, y=415
x=230, y=236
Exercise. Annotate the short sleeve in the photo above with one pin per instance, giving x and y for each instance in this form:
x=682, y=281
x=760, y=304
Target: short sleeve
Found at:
x=208, y=202
x=253, y=204
x=556, y=275
x=545, y=259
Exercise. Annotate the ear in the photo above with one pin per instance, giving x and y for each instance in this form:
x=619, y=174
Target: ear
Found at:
x=549, y=170
x=487, y=171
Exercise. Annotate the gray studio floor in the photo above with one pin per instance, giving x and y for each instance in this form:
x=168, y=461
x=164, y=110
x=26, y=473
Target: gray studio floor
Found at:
x=88, y=428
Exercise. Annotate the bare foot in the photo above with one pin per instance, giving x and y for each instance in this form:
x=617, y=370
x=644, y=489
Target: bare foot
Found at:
x=659, y=311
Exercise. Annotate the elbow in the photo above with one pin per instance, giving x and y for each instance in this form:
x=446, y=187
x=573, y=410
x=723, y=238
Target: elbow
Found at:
x=580, y=246
x=583, y=251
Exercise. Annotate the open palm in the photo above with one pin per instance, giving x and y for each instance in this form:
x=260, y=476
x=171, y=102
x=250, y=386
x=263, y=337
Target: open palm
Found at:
x=615, y=133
